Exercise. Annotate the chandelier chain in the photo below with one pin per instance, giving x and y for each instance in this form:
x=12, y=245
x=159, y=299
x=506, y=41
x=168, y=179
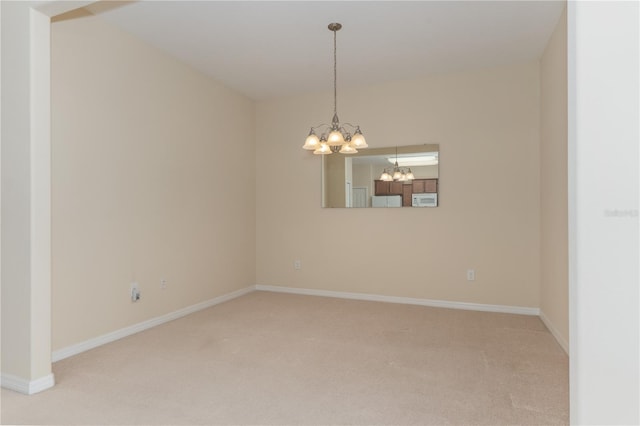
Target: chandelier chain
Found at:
x=335, y=75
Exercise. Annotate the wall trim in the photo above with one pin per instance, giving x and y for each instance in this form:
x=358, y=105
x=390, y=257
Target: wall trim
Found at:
x=522, y=310
x=63, y=353
x=23, y=386
x=554, y=332
x=28, y=387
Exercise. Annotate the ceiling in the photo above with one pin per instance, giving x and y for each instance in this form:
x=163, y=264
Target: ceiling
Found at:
x=269, y=49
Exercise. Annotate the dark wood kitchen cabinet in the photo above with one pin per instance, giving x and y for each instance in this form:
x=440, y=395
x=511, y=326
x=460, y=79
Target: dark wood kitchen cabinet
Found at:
x=388, y=188
x=425, y=185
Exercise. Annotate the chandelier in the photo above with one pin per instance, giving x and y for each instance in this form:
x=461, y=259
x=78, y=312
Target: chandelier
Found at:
x=400, y=174
x=335, y=137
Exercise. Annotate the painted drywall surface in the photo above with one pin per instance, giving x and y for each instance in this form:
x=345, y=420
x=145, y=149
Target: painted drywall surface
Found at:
x=16, y=274
x=604, y=64
x=487, y=125
x=554, y=283
x=153, y=179
x=336, y=176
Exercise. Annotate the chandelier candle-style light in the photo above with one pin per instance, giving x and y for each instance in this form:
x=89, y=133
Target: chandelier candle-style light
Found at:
x=335, y=137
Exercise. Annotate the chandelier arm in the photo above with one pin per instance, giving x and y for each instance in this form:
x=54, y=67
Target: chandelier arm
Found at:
x=320, y=125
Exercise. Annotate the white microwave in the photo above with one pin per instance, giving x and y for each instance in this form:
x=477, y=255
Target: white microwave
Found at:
x=424, y=200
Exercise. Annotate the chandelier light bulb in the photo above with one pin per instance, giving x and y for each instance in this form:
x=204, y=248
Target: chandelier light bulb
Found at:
x=410, y=175
x=312, y=142
x=335, y=138
x=323, y=149
x=358, y=140
x=347, y=149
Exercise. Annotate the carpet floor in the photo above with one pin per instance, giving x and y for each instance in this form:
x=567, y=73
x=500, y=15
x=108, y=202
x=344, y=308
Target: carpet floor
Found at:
x=270, y=358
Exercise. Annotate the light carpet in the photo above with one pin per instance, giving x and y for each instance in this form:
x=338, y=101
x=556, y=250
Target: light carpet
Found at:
x=271, y=358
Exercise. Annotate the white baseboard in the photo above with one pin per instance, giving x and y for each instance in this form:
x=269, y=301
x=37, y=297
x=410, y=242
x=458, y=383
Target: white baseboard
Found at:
x=555, y=333
x=136, y=328
x=405, y=300
x=19, y=384
x=28, y=387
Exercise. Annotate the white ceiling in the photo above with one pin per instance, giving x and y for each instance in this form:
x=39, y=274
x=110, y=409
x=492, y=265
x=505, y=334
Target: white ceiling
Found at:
x=268, y=49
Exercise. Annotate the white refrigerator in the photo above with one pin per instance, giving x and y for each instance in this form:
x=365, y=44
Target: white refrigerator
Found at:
x=386, y=201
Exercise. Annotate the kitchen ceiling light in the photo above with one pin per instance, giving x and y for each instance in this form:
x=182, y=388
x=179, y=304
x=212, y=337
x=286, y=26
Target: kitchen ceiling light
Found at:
x=335, y=137
x=415, y=161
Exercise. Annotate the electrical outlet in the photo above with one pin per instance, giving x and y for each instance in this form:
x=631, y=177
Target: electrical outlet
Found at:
x=297, y=265
x=135, y=292
x=163, y=283
x=471, y=274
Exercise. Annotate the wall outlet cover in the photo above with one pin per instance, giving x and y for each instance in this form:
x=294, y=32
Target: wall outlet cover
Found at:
x=135, y=292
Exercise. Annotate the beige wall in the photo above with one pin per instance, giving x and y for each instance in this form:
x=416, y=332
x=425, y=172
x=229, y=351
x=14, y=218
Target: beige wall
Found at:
x=335, y=177
x=152, y=178
x=554, y=295
x=487, y=125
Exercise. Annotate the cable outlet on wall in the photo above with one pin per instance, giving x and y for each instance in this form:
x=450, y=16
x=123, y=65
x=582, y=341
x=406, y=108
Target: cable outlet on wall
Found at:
x=471, y=274
x=297, y=265
x=135, y=292
x=163, y=283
